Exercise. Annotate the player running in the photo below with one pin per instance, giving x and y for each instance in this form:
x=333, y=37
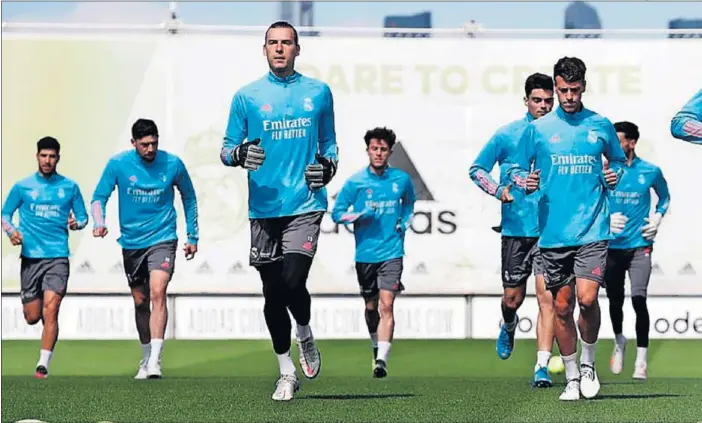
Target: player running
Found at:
x=631, y=247
x=382, y=202
x=145, y=178
x=520, y=229
x=49, y=205
x=686, y=125
x=290, y=156
x=566, y=149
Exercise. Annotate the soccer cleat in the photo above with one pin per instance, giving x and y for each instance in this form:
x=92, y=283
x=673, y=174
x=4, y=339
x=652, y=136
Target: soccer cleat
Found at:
x=380, y=370
x=589, y=382
x=640, y=371
x=571, y=391
x=505, y=341
x=41, y=372
x=141, y=373
x=153, y=370
x=285, y=388
x=310, y=357
x=616, y=362
x=375, y=356
x=541, y=378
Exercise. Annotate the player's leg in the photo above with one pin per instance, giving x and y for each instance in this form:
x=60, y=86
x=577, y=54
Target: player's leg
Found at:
x=389, y=284
x=160, y=262
x=545, y=330
x=299, y=245
x=558, y=277
x=640, y=274
x=136, y=271
x=617, y=264
x=589, y=267
x=31, y=294
x=515, y=272
x=367, y=275
x=54, y=285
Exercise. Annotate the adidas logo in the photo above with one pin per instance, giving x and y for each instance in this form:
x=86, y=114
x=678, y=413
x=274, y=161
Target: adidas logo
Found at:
x=204, y=268
x=421, y=268
x=117, y=268
x=687, y=270
x=400, y=159
x=656, y=269
x=236, y=268
x=85, y=267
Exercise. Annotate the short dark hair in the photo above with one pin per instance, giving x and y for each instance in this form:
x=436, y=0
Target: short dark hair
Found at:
x=629, y=130
x=48, y=143
x=283, y=24
x=380, y=134
x=538, y=81
x=144, y=128
x=571, y=69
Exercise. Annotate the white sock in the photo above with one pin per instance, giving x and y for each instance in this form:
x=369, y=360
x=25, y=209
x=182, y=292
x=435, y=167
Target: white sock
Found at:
x=619, y=339
x=542, y=358
x=587, y=354
x=146, y=348
x=374, y=339
x=287, y=367
x=641, y=353
x=156, y=347
x=383, y=350
x=303, y=332
x=44, y=358
x=571, y=366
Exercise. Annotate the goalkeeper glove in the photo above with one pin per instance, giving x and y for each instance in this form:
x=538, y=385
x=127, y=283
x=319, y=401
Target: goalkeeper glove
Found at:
x=319, y=174
x=617, y=221
x=650, y=230
x=249, y=155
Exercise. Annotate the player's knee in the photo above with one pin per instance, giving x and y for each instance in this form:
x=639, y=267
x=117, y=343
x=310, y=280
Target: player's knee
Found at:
x=32, y=317
x=296, y=268
x=50, y=313
x=386, y=307
x=587, y=300
x=563, y=307
x=513, y=298
x=545, y=301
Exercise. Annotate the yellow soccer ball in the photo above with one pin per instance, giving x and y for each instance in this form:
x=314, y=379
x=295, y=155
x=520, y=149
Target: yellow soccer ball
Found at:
x=555, y=365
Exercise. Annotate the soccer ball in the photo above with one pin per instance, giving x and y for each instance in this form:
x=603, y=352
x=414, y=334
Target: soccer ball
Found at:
x=555, y=365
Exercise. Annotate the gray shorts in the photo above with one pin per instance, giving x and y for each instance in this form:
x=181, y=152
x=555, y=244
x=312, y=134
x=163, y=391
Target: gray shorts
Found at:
x=273, y=237
x=139, y=263
x=386, y=275
x=520, y=255
x=39, y=275
x=587, y=261
x=636, y=261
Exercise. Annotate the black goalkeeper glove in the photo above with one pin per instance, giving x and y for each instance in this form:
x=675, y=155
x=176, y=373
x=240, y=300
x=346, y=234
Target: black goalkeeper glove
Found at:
x=319, y=174
x=249, y=155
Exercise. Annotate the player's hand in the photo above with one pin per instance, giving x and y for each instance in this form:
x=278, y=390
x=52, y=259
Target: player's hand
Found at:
x=610, y=177
x=249, y=155
x=650, y=230
x=617, y=221
x=100, y=232
x=506, y=195
x=533, y=180
x=72, y=224
x=16, y=238
x=189, y=250
x=319, y=174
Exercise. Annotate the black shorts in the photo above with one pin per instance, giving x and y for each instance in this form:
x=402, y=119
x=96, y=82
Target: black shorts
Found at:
x=273, y=237
x=520, y=255
x=563, y=264
x=636, y=261
x=139, y=263
x=386, y=275
x=43, y=274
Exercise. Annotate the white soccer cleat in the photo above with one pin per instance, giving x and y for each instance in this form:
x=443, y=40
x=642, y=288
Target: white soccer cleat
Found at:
x=310, y=358
x=589, y=382
x=616, y=362
x=141, y=373
x=285, y=388
x=571, y=391
x=640, y=371
x=153, y=370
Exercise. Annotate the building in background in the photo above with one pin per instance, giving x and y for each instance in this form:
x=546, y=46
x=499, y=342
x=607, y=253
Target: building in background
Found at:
x=580, y=15
x=304, y=11
x=685, y=24
x=420, y=20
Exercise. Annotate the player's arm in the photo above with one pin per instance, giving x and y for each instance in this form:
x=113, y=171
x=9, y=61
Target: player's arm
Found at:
x=236, y=152
x=12, y=203
x=482, y=166
x=686, y=125
x=408, y=200
x=189, y=199
x=319, y=174
x=660, y=186
x=344, y=201
x=525, y=154
x=80, y=215
x=615, y=157
x=101, y=195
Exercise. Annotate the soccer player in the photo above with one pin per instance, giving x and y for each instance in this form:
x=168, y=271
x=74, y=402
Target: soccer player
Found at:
x=686, y=125
x=631, y=247
x=566, y=148
x=145, y=177
x=379, y=202
x=49, y=205
x=520, y=229
x=290, y=155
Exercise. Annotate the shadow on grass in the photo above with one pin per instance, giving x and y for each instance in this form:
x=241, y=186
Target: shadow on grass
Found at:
x=356, y=396
x=633, y=396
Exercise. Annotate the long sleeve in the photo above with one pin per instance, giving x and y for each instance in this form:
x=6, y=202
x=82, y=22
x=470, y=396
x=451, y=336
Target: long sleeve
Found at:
x=12, y=203
x=614, y=154
x=686, y=125
x=103, y=191
x=343, y=201
x=408, y=200
x=237, y=129
x=482, y=166
x=525, y=155
x=660, y=186
x=189, y=198
x=327, y=130
x=78, y=207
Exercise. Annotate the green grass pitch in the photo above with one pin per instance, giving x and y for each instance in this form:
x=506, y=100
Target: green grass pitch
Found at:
x=457, y=380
